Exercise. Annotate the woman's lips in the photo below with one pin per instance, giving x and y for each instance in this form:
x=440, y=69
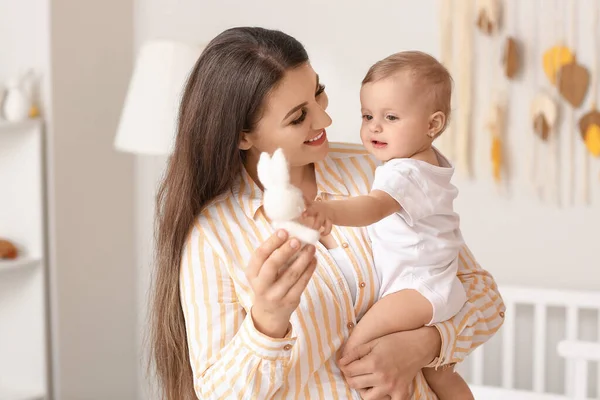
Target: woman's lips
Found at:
x=317, y=140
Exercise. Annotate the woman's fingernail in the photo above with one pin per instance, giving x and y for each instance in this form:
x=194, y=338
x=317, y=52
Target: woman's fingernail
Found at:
x=281, y=234
x=294, y=243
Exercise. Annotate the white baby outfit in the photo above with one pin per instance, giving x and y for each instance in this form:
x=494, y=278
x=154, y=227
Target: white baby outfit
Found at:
x=417, y=248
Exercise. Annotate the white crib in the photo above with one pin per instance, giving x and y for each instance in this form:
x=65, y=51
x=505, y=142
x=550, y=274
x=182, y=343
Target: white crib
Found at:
x=577, y=354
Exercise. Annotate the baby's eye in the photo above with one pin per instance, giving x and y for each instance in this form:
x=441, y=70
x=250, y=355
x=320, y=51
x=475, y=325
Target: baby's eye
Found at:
x=367, y=117
x=392, y=117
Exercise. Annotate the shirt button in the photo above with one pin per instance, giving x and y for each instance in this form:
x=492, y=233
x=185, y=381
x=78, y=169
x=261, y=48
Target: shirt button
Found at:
x=350, y=325
x=362, y=284
x=287, y=347
x=345, y=245
x=501, y=314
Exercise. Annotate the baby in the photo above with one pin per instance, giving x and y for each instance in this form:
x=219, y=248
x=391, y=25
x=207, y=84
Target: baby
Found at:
x=405, y=105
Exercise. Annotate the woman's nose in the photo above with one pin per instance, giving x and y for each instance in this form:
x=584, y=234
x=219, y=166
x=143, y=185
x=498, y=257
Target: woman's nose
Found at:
x=321, y=119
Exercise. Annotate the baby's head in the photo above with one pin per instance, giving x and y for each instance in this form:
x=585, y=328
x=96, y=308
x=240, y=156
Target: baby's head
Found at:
x=405, y=104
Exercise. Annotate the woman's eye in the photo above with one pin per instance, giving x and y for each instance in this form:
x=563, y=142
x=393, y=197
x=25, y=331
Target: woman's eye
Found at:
x=367, y=117
x=320, y=90
x=301, y=118
x=392, y=117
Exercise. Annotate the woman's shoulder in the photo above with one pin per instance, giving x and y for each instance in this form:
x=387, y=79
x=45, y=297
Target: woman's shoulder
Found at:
x=341, y=152
x=344, y=150
x=210, y=214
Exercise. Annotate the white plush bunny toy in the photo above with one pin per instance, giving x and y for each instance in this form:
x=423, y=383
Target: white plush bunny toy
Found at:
x=282, y=201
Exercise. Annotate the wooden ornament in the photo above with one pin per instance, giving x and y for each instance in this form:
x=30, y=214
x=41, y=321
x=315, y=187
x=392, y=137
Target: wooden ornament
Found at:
x=589, y=126
x=553, y=59
x=510, y=57
x=488, y=16
x=541, y=126
x=591, y=118
x=543, y=115
x=7, y=250
x=496, y=158
x=592, y=140
x=573, y=82
x=496, y=126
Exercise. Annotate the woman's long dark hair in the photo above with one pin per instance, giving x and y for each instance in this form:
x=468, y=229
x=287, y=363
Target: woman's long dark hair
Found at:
x=224, y=95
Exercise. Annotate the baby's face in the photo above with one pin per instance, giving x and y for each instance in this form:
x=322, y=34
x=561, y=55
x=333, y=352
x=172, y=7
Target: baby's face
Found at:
x=395, y=118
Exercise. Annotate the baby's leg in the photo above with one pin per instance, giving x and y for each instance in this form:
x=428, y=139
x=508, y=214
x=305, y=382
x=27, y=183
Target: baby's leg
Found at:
x=401, y=311
x=447, y=384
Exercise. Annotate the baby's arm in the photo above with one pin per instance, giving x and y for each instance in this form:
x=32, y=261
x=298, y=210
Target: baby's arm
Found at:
x=401, y=311
x=356, y=211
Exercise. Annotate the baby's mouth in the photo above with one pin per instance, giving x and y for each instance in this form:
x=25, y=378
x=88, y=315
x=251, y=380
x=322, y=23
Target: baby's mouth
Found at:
x=378, y=144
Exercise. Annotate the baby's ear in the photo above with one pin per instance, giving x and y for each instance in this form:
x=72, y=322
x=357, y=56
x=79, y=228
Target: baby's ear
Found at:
x=437, y=122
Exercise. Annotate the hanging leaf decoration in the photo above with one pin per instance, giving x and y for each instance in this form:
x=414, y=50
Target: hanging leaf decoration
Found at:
x=589, y=126
x=510, y=57
x=543, y=115
x=488, y=16
x=573, y=82
x=553, y=59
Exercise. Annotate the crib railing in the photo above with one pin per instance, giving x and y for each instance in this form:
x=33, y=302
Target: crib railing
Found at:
x=577, y=354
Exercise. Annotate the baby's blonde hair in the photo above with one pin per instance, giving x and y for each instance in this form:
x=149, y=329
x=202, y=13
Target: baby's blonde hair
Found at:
x=424, y=70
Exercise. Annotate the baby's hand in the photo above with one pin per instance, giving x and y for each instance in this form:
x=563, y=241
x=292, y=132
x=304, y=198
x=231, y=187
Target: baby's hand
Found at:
x=318, y=216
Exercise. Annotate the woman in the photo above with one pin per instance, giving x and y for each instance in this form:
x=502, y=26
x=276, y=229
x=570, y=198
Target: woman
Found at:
x=227, y=323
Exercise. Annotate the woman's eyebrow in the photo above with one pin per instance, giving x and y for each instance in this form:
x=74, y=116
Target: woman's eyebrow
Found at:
x=293, y=110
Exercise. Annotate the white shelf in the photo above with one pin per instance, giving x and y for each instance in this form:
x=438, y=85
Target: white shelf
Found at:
x=6, y=394
x=7, y=127
x=19, y=263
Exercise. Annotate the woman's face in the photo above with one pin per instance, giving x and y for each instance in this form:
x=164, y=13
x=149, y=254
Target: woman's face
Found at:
x=294, y=119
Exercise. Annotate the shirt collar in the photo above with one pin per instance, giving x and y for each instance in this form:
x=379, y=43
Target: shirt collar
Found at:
x=327, y=174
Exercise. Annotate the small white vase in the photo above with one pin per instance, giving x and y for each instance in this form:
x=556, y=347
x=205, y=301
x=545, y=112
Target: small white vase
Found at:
x=16, y=102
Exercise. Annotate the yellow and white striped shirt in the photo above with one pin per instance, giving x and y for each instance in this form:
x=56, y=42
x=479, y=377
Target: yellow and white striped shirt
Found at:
x=232, y=360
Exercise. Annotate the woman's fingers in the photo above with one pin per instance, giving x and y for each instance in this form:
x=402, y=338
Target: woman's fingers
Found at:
x=354, y=355
x=264, y=251
x=296, y=290
x=269, y=271
x=294, y=272
x=361, y=381
x=375, y=393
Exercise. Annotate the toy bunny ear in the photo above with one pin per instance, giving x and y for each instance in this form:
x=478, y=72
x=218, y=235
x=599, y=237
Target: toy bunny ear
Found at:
x=264, y=169
x=279, y=169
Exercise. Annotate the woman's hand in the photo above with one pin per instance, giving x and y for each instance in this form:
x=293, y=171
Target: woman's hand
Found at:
x=384, y=368
x=277, y=291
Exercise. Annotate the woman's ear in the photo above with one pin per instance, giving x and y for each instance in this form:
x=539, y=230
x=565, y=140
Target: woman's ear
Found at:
x=437, y=121
x=245, y=142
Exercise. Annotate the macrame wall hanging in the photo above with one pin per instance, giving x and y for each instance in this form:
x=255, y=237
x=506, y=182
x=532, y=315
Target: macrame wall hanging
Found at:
x=558, y=166
x=464, y=86
x=589, y=124
x=446, y=141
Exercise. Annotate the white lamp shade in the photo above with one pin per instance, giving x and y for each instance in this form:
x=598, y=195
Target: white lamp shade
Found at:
x=149, y=119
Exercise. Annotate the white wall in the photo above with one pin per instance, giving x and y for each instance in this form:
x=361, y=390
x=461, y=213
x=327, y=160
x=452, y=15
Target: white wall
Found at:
x=92, y=202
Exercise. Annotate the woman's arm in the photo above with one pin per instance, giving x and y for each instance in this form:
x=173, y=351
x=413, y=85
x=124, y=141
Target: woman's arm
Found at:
x=478, y=320
x=230, y=358
x=389, y=365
